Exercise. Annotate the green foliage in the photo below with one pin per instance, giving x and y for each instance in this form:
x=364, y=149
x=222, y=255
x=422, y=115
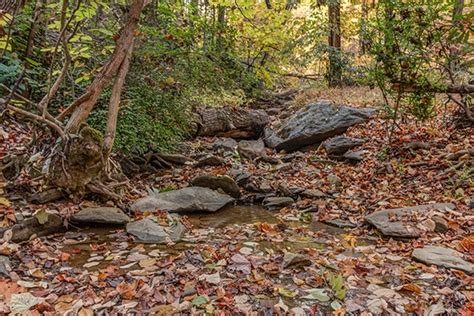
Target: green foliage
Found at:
x=418, y=48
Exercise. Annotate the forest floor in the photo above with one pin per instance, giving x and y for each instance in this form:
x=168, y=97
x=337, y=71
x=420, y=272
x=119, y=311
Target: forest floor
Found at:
x=316, y=256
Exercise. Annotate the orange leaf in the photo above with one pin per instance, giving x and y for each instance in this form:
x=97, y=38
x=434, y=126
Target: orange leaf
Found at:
x=411, y=288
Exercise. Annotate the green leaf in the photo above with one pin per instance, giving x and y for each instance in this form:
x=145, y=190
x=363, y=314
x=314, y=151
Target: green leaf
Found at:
x=317, y=294
x=286, y=292
x=199, y=300
x=41, y=216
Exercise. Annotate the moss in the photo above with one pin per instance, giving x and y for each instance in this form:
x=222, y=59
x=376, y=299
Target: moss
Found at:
x=92, y=133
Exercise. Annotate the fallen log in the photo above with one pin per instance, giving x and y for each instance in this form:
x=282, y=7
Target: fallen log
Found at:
x=237, y=123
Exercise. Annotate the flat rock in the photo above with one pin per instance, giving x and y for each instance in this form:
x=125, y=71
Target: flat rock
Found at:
x=295, y=260
x=148, y=231
x=215, y=182
x=51, y=223
x=210, y=161
x=313, y=124
x=398, y=222
x=277, y=201
x=313, y=194
x=176, y=159
x=251, y=149
x=5, y=265
x=443, y=257
x=338, y=145
x=192, y=199
x=355, y=156
x=340, y=223
x=103, y=215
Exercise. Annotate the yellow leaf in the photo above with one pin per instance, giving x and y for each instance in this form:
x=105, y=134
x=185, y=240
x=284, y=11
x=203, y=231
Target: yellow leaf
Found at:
x=5, y=202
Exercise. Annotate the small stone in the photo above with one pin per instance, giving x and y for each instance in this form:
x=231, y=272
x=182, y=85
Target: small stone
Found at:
x=251, y=149
x=334, y=179
x=103, y=215
x=340, y=144
x=441, y=225
x=5, y=265
x=340, y=223
x=355, y=156
x=277, y=202
x=225, y=145
x=295, y=260
x=313, y=194
x=147, y=230
x=210, y=161
x=444, y=257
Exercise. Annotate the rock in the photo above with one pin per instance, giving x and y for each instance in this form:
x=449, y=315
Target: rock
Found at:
x=277, y=201
x=192, y=199
x=230, y=122
x=240, y=176
x=293, y=191
x=46, y=196
x=340, y=223
x=355, y=156
x=444, y=257
x=49, y=224
x=225, y=183
x=399, y=222
x=295, y=260
x=175, y=159
x=314, y=124
x=441, y=224
x=103, y=215
x=148, y=231
x=210, y=161
x=313, y=194
x=338, y=145
x=5, y=266
x=334, y=179
x=269, y=159
x=471, y=204
x=225, y=145
x=251, y=149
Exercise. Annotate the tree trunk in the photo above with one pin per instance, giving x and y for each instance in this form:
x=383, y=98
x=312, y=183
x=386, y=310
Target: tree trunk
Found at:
x=82, y=106
x=363, y=28
x=334, y=42
x=114, y=104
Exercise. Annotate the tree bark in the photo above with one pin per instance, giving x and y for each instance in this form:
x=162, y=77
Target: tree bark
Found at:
x=363, y=28
x=114, y=104
x=334, y=42
x=82, y=106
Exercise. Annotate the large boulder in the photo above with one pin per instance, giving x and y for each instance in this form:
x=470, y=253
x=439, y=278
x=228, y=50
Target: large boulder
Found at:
x=192, y=199
x=314, y=124
x=443, y=257
x=225, y=183
x=230, y=122
x=403, y=222
x=102, y=215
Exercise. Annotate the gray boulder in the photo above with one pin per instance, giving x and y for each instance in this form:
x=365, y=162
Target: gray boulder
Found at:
x=225, y=183
x=103, y=215
x=251, y=149
x=148, y=231
x=401, y=222
x=338, y=145
x=314, y=124
x=443, y=257
x=192, y=199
